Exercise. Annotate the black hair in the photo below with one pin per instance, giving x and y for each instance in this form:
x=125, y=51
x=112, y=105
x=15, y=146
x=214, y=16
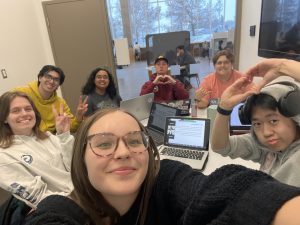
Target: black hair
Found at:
x=49, y=68
x=262, y=100
x=90, y=86
x=180, y=47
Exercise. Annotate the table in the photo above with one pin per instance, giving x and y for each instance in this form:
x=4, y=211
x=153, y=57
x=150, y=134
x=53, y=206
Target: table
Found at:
x=216, y=160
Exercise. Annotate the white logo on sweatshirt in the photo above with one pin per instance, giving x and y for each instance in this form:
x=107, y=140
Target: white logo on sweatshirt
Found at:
x=27, y=158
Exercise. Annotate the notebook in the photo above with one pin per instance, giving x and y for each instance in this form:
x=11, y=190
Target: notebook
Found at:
x=139, y=106
x=187, y=140
x=235, y=123
x=157, y=119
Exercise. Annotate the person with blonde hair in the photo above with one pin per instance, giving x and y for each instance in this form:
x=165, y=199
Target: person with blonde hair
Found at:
x=33, y=164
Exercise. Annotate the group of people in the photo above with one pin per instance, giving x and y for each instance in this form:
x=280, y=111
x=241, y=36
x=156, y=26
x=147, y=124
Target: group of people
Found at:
x=110, y=173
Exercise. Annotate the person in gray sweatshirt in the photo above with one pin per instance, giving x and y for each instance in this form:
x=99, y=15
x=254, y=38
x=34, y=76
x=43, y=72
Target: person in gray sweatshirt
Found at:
x=274, y=114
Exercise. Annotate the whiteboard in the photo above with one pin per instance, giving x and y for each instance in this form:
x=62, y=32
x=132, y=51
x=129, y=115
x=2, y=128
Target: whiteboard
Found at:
x=122, y=51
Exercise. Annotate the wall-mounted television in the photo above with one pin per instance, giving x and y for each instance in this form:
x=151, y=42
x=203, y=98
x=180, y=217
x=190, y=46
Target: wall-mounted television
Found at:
x=279, y=35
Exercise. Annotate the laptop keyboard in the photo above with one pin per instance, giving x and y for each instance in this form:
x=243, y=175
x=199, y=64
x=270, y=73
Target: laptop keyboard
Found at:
x=157, y=137
x=179, y=152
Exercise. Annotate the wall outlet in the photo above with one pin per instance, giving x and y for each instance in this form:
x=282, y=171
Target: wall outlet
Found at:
x=4, y=74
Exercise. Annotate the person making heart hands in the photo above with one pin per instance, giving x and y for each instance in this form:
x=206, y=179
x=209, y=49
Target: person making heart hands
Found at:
x=164, y=86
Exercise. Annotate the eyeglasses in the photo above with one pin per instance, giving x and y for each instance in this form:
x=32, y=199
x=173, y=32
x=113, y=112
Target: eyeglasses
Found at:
x=227, y=62
x=105, y=144
x=102, y=77
x=48, y=77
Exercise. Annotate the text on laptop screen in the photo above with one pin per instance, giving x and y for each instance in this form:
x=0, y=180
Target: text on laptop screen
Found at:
x=187, y=132
x=159, y=114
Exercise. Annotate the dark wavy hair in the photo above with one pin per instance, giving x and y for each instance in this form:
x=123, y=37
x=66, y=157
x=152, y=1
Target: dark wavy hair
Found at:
x=90, y=86
x=90, y=199
x=6, y=134
x=49, y=68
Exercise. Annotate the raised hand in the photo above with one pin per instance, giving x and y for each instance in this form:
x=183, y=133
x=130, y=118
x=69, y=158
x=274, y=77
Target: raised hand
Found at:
x=164, y=79
x=238, y=92
x=158, y=79
x=201, y=93
x=268, y=69
x=62, y=121
x=81, y=108
x=169, y=80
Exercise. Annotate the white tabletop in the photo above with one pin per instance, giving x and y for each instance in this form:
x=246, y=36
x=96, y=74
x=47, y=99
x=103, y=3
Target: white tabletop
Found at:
x=216, y=160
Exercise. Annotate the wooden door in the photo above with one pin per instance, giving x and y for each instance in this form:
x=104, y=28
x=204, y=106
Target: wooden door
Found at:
x=80, y=40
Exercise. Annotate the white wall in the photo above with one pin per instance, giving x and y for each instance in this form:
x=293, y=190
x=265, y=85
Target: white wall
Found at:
x=24, y=42
x=249, y=45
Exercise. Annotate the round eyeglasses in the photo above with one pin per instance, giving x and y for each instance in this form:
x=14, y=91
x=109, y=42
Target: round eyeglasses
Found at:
x=105, y=144
x=55, y=80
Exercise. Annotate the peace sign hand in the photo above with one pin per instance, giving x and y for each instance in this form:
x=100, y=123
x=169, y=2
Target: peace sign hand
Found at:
x=81, y=108
x=62, y=121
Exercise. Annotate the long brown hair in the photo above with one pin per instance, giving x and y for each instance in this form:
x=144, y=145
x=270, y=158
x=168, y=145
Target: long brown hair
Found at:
x=90, y=199
x=6, y=134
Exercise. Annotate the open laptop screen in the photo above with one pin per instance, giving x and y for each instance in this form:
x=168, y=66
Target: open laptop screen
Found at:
x=235, y=123
x=139, y=106
x=158, y=114
x=187, y=132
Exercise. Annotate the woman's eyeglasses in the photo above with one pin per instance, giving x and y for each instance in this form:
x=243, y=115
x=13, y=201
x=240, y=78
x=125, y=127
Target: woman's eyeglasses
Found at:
x=105, y=144
x=102, y=77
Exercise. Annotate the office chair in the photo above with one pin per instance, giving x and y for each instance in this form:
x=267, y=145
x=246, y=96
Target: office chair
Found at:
x=194, y=73
x=174, y=70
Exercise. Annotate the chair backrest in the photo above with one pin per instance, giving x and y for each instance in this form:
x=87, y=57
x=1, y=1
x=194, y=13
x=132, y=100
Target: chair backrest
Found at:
x=195, y=68
x=174, y=70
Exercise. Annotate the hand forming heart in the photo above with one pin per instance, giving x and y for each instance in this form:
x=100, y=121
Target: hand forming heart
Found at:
x=164, y=79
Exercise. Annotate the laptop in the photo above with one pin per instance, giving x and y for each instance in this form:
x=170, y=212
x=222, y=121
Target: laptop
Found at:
x=139, y=106
x=183, y=105
x=186, y=140
x=235, y=124
x=157, y=120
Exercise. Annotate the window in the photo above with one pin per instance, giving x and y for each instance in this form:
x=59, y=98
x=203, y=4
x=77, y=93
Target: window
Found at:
x=200, y=17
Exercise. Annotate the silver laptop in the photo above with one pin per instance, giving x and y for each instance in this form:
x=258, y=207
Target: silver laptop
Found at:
x=139, y=106
x=187, y=140
x=157, y=121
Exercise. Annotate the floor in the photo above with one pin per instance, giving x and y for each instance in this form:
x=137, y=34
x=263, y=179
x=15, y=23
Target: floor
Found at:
x=132, y=77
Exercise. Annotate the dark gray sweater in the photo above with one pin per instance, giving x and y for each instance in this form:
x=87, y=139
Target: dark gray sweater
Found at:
x=232, y=195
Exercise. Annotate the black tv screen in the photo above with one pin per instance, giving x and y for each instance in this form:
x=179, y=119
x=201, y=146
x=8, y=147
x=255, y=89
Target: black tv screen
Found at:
x=279, y=35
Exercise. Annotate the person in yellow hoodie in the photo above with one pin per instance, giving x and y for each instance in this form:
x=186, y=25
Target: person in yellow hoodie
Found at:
x=43, y=94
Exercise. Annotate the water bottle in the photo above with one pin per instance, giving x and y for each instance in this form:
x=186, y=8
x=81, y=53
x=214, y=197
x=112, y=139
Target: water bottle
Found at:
x=194, y=109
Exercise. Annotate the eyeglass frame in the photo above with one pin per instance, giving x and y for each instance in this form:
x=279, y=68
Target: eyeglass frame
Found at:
x=145, y=136
x=102, y=77
x=49, y=77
